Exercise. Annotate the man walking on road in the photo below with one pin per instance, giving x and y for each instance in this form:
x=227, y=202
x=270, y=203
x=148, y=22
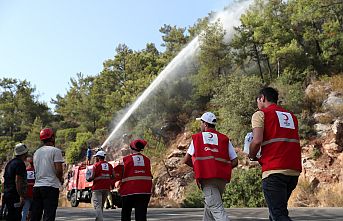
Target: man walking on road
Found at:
x=15, y=183
x=48, y=164
x=275, y=131
x=212, y=157
x=102, y=176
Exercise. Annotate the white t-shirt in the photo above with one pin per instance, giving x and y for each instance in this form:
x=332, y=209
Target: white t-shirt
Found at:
x=43, y=161
x=232, y=152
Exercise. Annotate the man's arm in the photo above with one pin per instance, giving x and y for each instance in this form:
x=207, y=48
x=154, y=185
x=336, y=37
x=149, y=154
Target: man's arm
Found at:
x=188, y=160
x=59, y=170
x=234, y=162
x=256, y=142
x=21, y=186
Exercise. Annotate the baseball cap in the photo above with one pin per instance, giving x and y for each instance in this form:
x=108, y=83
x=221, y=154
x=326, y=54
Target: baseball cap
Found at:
x=100, y=153
x=138, y=144
x=20, y=149
x=208, y=117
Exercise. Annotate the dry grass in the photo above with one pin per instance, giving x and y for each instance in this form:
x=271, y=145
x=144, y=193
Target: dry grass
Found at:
x=303, y=195
x=325, y=195
x=337, y=82
x=331, y=195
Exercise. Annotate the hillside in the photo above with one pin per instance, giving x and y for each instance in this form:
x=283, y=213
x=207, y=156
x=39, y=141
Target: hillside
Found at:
x=320, y=183
x=213, y=65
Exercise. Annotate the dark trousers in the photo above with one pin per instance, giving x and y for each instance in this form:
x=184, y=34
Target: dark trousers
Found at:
x=277, y=189
x=139, y=202
x=13, y=209
x=45, y=199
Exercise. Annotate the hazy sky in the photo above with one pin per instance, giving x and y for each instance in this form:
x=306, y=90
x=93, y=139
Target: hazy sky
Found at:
x=47, y=42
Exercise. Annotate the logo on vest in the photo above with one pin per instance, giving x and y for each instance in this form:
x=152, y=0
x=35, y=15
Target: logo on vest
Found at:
x=138, y=160
x=210, y=138
x=285, y=120
x=139, y=171
x=30, y=175
x=211, y=149
x=104, y=166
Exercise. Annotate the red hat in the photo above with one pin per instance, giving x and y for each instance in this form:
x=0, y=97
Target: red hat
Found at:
x=46, y=133
x=138, y=144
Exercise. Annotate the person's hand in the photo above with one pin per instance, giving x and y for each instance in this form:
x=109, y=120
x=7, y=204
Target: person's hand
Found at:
x=22, y=200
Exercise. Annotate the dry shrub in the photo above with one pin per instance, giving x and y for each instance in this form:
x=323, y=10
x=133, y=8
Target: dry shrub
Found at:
x=317, y=93
x=331, y=195
x=337, y=110
x=303, y=195
x=337, y=82
x=325, y=118
x=157, y=202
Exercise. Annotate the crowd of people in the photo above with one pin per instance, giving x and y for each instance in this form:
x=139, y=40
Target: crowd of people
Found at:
x=31, y=191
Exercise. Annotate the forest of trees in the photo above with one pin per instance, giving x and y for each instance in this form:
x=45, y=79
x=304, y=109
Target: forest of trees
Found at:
x=285, y=44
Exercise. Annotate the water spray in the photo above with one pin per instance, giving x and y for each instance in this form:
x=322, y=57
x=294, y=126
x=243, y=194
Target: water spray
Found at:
x=229, y=19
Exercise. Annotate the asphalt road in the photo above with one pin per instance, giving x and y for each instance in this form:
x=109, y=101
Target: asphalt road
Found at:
x=239, y=214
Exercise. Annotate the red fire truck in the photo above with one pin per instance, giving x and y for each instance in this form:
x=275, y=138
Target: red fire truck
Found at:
x=80, y=190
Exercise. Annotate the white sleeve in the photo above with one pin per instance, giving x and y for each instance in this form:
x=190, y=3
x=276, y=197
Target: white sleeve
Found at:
x=190, y=150
x=57, y=155
x=232, y=152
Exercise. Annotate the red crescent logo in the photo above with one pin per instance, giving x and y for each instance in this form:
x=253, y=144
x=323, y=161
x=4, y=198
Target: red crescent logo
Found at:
x=286, y=117
x=211, y=135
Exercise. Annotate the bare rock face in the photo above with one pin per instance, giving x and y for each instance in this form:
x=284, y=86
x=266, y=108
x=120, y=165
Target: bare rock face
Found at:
x=323, y=157
x=337, y=129
x=333, y=101
x=173, y=177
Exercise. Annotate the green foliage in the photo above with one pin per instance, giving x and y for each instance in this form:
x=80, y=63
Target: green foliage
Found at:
x=32, y=140
x=291, y=96
x=156, y=149
x=245, y=189
x=316, y=153
x=6, y=147
x=193, y=197
x=235, y=104
x=73, y=152
x=19, y=108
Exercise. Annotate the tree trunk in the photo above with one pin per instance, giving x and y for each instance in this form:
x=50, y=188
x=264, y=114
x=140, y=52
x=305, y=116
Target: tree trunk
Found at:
x=258, y=62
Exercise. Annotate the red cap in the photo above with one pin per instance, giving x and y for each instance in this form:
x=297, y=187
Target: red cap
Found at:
x=46, y=133
x=138, y=145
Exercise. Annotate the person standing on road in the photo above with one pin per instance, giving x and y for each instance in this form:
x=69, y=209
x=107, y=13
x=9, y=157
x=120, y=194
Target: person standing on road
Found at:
x=212, y=157
x=15, y=183
x=27, y=208
x=136, y=183
x=275, y=131
x=48, y=164
x=89, y=155
x=102, y=176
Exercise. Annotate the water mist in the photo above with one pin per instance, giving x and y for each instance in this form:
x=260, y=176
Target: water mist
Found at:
x=229, y=18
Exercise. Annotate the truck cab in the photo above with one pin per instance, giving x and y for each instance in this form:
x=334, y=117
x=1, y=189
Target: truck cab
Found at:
x=80, y=190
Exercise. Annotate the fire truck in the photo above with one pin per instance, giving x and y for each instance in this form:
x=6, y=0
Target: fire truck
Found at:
x=80, y=190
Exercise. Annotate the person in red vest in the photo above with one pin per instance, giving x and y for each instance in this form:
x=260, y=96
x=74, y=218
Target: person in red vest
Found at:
x=26, y=213
x=212, y=157
x=275, y=131
x=102, y=177
x=136, y=183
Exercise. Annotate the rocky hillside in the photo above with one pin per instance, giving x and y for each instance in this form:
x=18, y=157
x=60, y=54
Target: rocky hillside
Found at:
x=322, y=157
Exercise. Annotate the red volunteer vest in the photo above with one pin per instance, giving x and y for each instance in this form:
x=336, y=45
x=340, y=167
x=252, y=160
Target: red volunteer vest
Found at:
x=280, y=148
x=102, y=176
x=137, y=177
x=211, y=155
x=30, y=181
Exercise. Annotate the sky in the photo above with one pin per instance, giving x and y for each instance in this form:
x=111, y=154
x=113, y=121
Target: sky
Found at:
x=48, y=42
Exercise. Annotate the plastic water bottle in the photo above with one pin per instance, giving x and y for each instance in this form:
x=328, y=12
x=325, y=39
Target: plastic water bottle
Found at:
x=247, y=141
